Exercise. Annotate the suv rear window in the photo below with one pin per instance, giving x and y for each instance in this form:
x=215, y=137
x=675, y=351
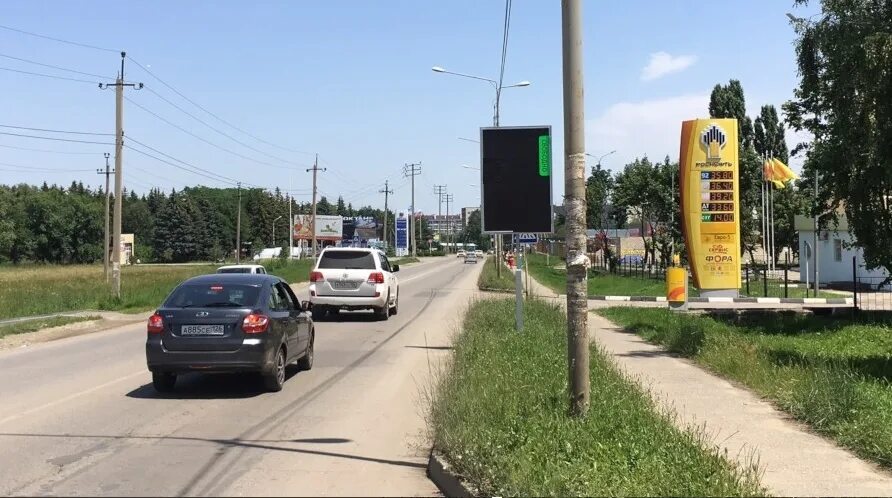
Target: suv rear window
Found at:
x=347, y=260
x=213, y=296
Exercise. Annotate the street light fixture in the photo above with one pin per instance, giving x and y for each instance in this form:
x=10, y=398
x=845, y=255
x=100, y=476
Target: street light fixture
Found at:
x=470, y=167
x=469, y=140
x=495, y=84
x=274, y=230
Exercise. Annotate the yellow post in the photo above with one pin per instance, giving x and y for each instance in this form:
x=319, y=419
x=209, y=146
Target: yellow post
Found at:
x=676, y=287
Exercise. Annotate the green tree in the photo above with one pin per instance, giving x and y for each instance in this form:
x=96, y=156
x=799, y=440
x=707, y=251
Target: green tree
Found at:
x=323, y=207
x=635, y=188
x=341, y=209
x=598, y=187
x=844, y=99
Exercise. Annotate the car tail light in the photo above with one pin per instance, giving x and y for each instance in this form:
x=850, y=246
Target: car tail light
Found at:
x=316, y=276
x=255, y=323
x=376, y=277
x=156, y=324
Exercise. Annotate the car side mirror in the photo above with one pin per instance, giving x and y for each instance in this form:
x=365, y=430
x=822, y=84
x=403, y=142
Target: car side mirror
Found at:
x=396, y=268
x=306, y=306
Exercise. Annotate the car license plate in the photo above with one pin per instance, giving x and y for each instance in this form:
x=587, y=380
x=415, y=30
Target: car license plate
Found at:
x=201, y=330
x=345, y=284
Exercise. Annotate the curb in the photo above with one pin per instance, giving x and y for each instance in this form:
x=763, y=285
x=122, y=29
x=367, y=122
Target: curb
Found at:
x=448, y=483
x=498, y=291
x=757, y=300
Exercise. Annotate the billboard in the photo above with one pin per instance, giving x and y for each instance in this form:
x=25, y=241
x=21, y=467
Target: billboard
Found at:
x=710, y=203
x=515, y=179
x=402, y=235
x=327, y=227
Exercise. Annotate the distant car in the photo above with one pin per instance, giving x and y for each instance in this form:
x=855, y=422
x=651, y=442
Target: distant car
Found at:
x=471, y=257
x=252, y=269
x=354, y=279
x=229, y=323
x=460, y=254
x=479, y=253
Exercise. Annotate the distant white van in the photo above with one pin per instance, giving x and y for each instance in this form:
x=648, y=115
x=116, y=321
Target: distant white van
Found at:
x=252, y=269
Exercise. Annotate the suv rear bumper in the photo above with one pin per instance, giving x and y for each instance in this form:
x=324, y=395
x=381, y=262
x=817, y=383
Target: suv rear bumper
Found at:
x=255, y=355
x=349, y=303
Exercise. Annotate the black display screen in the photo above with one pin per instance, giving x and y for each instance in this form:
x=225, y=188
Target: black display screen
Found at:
x=516, y=173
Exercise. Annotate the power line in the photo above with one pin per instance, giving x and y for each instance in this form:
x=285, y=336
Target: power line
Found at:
x=218, y=118
x=172, y=158
x=506, y=29
x=54, y=139
x=47, y=75
x=48, y=151
x=47, y=130
x=94, y=47
x=179, y=166
x=38, y=168
x=196, y=118
x=60, y=68
x=197, y=137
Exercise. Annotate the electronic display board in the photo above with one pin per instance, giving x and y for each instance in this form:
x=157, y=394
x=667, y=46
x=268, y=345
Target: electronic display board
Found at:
x=710, y=202
x=515, y=180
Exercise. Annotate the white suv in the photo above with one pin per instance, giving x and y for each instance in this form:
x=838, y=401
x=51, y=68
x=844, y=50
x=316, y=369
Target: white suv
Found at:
x=354, y=279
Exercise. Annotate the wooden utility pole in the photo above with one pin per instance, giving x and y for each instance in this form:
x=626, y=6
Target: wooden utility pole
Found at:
x=119, y=178
x=107, y=172
x=314, y=169
x=449, y=234
x=574, y=202
x=386, y=193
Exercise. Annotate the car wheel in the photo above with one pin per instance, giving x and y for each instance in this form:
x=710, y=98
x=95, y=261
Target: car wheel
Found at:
x=384, y=311
x=163, y=382
x=306, y=362
x=319, y=312
x=396, y=304
x=273, y=381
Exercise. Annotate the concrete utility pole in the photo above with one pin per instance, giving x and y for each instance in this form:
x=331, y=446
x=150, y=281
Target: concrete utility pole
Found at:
x=413, y=170
x=314, y=169
x=119, y=180
x=574, y=201
x=386, y=193
x=449, y=234
x=238, y=226
x=106, y=172
x=440, y=190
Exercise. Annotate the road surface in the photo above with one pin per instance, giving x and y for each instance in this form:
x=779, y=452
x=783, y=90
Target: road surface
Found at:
x=79, y=415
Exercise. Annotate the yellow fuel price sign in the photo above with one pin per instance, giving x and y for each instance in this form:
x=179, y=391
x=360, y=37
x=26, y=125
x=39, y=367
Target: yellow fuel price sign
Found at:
x=710, y=199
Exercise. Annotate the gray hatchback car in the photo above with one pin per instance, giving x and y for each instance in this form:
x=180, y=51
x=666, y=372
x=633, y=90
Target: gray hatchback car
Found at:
x=229, y=323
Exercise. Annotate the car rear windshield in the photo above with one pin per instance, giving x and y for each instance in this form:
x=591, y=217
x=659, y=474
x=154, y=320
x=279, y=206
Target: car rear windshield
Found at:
x=214, y=296
x=347, y=260
x=234, y=270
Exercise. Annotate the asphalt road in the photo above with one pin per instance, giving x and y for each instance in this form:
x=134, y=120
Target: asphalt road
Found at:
x=79, y=415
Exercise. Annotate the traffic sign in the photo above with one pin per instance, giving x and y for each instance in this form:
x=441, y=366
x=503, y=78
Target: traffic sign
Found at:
x=527, y=238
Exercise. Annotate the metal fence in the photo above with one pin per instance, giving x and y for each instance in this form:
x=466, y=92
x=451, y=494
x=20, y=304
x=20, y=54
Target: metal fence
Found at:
x=873, y=293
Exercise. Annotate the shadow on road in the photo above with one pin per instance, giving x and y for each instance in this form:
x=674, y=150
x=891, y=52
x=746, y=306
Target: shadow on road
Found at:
x=265, y=444
x=433, y=348
x=349, y=317
x=210, y=386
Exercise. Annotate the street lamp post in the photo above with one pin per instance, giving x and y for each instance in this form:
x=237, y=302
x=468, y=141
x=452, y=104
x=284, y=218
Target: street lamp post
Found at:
x=274, y=230
x=495, y=84
x=604, y=205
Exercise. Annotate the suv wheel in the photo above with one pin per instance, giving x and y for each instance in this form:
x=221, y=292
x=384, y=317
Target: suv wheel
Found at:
x=396, y=304
x=384, y=311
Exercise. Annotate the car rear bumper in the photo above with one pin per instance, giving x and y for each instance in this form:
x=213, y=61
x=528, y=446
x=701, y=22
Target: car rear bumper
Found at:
x=254, y=355
x=349, y=303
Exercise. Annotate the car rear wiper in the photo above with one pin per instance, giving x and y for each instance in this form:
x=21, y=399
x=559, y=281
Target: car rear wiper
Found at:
x=224, y=305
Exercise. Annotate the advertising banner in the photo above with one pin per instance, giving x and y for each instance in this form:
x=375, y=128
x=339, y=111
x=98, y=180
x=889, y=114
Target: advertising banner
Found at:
x=710, y=203
x=327, y=227
x=402, y=236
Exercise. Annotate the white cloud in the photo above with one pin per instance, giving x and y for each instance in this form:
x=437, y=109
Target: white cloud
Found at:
x=650, y=127
x=663, y=63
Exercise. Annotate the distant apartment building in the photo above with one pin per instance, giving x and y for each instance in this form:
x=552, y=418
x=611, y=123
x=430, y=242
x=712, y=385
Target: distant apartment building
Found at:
x=440, y=223
x=466, y=213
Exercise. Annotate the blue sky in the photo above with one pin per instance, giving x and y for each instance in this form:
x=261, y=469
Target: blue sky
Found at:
x=352, y=81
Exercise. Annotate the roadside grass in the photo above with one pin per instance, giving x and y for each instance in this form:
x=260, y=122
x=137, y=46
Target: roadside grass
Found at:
x=832, y=373
x=35, y=325
x=500, y=418
x=601, y=283
x=293, y=271
x=404, y=261
x=42, y=289
x=490, y=280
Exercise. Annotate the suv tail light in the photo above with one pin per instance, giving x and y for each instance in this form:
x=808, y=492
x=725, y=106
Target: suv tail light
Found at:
x=376, y=277
x=255, y=323
x=156, y=324
x=316, y=276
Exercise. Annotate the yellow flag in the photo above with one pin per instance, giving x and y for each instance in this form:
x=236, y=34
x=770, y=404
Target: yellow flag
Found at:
x=778, y=185
x=782, y=172
x=767, y=171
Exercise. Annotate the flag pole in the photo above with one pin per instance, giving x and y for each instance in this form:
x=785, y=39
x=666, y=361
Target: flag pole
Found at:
x=764, y=220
